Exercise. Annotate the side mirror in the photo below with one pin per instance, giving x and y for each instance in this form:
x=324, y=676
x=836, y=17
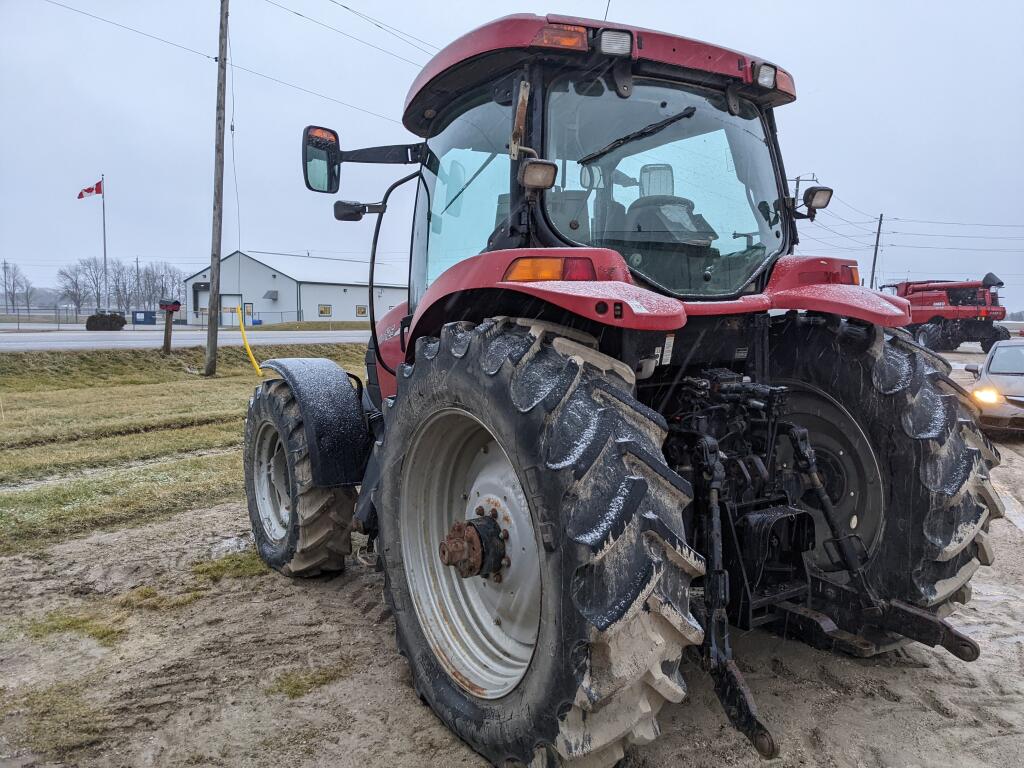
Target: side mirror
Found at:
x=816, y=198
x=321, y=159
x=973, y=368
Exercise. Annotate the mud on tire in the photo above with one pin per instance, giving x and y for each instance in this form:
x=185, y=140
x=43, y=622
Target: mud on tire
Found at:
x=938, y=499
x=614, y=564
x=313, y=534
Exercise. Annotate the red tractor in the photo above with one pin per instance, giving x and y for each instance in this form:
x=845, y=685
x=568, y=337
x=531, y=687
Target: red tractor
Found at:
x=944, y=314
x=617, y=417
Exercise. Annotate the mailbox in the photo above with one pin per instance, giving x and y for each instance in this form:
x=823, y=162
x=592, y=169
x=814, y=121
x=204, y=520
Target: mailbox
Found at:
x=170, y=305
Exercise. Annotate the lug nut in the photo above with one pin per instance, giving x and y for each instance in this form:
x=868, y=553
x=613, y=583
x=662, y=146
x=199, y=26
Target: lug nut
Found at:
x=496, y=578
x=505, y=562
x=479, y=511
x=494, y=513
x=504, y=535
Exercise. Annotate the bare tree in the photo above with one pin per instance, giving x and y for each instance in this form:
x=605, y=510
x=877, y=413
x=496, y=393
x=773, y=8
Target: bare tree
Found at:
x=72, y=285
x=122, y=278
x=159, y=280
x=11, y=282
x=92, y=275
x=27, y=290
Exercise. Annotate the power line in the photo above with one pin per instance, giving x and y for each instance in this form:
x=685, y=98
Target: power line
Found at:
x=320, y=258
x=959, y=223
x=856, y=224
x=132, y=29
x=344, y=34
x=393, y=31
x=317, y=94
x=233, y=66
x=841, y=234
x=964, y=237
x=852, y=208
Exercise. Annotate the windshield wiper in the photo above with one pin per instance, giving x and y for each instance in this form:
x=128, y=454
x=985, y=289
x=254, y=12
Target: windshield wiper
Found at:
x=647, y=130
x=472, y=178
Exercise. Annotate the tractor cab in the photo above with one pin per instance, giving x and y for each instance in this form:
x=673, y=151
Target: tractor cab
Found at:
x=550, y=132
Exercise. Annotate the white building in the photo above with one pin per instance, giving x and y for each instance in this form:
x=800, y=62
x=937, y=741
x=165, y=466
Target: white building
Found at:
x=281, y=288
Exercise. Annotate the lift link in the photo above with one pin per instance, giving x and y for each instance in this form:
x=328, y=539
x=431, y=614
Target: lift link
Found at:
x=730, y=687
x=859, y=606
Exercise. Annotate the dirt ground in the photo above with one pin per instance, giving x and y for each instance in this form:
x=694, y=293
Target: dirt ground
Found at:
x=169, y=645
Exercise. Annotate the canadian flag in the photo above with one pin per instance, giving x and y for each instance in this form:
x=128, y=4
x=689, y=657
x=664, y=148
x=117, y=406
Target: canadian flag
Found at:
x=95, y=189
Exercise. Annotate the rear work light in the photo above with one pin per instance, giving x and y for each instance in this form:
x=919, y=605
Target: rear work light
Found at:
x=766, y=76
x=615, y=42
x=565, y=36
x=536, y=268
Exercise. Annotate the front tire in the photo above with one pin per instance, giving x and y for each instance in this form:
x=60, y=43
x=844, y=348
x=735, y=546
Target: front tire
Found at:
x=926, y=462
x=594, y=520
x=300, y=529
x=1000, y=333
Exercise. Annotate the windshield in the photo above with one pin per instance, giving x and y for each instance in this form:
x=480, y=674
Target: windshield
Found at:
x=686, y=192
x=1007, y=361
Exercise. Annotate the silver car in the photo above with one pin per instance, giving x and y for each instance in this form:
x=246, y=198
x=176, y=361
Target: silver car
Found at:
x=999, y=389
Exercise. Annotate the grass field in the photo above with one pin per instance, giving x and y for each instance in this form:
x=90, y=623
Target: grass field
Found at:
x=108, y=438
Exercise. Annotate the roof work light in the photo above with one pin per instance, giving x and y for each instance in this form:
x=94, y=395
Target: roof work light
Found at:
x=766, y=76
x=615, y=42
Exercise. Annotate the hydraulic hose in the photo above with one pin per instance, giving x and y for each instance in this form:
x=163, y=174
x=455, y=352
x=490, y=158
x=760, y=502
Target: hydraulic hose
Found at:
x=373, y=260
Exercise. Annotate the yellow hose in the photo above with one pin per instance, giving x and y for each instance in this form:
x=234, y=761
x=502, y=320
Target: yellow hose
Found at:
x=245, y=342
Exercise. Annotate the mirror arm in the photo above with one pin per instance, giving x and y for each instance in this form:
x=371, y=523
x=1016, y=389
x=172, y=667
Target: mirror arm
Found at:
x=393, y=154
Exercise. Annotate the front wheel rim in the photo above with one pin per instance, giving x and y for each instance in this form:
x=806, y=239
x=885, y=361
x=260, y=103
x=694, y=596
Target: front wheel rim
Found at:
x=482, y=632
x=273, y=483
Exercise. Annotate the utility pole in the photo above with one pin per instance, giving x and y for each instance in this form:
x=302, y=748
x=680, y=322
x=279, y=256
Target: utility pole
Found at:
x=103, y=200
x=6, y=307
x=874, y=259
x=218, y=197
x=798, y=179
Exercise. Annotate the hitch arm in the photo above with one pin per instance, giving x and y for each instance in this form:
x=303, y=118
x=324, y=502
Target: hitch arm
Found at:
x=730, y=687
x=860, y=606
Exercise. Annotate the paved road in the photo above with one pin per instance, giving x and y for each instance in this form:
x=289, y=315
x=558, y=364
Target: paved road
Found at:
x=128, y=339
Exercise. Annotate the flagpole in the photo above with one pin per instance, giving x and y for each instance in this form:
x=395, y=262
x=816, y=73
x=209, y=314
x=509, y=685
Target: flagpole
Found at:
x=103, y=200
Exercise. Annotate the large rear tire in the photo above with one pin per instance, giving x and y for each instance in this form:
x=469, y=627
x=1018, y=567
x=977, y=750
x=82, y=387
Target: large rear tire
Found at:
x=568, y=659
x=300, y=529
x=901, y=452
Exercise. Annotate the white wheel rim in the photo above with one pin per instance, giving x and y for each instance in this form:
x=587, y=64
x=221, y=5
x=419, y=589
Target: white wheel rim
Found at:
x=273, y=483
x=483, y=633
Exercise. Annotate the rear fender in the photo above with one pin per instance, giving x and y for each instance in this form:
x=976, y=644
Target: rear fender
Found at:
x=821, y=284
x=332, y=416
x=612, y=299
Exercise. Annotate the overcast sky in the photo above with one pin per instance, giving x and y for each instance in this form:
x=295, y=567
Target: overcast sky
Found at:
x=908, y=108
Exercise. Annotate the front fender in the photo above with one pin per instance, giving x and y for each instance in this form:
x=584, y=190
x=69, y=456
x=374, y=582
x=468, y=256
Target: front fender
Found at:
x=332, y=416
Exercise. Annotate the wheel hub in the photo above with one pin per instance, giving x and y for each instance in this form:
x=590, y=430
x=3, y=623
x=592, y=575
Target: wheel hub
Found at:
x=476, y=547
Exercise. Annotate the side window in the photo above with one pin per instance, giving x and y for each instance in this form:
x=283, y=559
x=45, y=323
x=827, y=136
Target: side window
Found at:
x=464, y=189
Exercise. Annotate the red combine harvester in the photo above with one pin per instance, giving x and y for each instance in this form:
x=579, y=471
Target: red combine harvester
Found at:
x=617, y=417
x=945, y=314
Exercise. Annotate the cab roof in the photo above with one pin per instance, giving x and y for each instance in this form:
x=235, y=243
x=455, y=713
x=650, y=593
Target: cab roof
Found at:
x=509, y=40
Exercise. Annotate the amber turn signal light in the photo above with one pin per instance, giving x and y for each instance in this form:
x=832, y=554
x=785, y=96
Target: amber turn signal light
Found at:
x=538, y=268
x=567, y=36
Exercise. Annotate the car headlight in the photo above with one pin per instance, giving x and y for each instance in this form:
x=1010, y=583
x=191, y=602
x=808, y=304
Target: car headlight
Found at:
x=987, y=395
